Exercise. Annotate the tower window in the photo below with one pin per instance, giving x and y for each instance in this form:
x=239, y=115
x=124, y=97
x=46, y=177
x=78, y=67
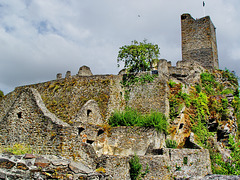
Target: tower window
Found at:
x=19, y=115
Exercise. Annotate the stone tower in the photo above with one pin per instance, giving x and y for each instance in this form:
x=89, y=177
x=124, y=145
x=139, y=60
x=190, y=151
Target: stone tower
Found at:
x=199, y=41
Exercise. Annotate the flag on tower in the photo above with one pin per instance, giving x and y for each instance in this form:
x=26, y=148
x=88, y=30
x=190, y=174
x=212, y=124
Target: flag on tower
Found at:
x=203, y=3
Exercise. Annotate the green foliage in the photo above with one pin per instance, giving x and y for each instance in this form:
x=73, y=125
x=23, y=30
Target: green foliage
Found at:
x=198, y=88
x=206, y=102
x=177, y=99
x=230, y=76
x=172, y=83
x=178, y=168
x=131, y=117
x=128, y=117
x=232, y=167
x=171, y=143
x=236, y=106
x=185, y=160
x=139, y=56
x=174, y=110
x=19, y=149
x=1, y=94
x=136, y=168
x=209, y=83
x=199, y=119
x=227, y=91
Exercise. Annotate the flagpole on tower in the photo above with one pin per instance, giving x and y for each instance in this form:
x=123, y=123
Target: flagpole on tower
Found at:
x=204, y=9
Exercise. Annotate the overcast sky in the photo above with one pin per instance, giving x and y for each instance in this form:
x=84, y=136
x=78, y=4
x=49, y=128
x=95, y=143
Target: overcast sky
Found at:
x=40, y=38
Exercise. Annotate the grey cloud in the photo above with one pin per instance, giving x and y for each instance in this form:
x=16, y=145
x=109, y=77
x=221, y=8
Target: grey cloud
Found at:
x=41, y=38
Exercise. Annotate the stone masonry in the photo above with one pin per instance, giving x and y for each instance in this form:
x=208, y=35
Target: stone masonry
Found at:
x=199, y=41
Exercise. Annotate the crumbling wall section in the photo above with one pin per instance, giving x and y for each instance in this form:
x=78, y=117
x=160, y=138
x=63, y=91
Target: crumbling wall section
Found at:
x=173, y=163
x=65, y=97
x=29, y=122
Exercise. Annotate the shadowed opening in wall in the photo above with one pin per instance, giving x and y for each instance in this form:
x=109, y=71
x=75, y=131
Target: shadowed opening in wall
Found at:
x=89, y=112
x=80, y=129
x=100, y=132
x=90, y=141
x=19, y=115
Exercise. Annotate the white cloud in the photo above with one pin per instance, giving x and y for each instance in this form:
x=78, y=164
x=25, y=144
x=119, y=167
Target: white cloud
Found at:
x=41, y=38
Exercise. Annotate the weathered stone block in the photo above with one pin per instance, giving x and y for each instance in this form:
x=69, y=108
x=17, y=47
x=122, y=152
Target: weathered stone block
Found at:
x=6, y=164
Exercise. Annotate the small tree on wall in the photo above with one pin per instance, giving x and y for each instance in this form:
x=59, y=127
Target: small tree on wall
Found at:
x=139, y=56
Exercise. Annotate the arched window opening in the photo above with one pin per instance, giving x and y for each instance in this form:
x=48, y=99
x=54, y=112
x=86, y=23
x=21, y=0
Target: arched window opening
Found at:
x=89, y=112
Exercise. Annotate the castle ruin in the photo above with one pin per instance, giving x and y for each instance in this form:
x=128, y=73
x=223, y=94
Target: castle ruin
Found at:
x=68, y=116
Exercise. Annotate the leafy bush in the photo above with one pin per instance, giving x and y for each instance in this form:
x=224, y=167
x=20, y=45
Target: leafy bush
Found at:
x=177, y=100
x=209, y=83
x=136, y=167
x=198, y=88
x=18, y=149
x=207, y=79
x=131, y=117
x=172, y=83
x=230, y=76
x=232, y=167
x=227, y=91
x=171, y=143
x=139, y=56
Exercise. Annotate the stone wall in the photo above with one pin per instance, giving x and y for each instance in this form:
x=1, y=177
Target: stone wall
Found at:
x=65, y=97
x=149, y=97
x=199, y=41
x=29, y=122
x=172, y=163
x=126, y=141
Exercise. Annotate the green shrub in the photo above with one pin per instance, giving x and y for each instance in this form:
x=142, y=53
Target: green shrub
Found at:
x=232, y=167
x=198, y=88
x=171, y=143
x=18, y=149
x=230, y=76
x=209, y=83
x=207, y=79
x=227, y=91
x=185, y=160
x=131, y=117
x=172, y=83
x=136, y=168
x=154, y=119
